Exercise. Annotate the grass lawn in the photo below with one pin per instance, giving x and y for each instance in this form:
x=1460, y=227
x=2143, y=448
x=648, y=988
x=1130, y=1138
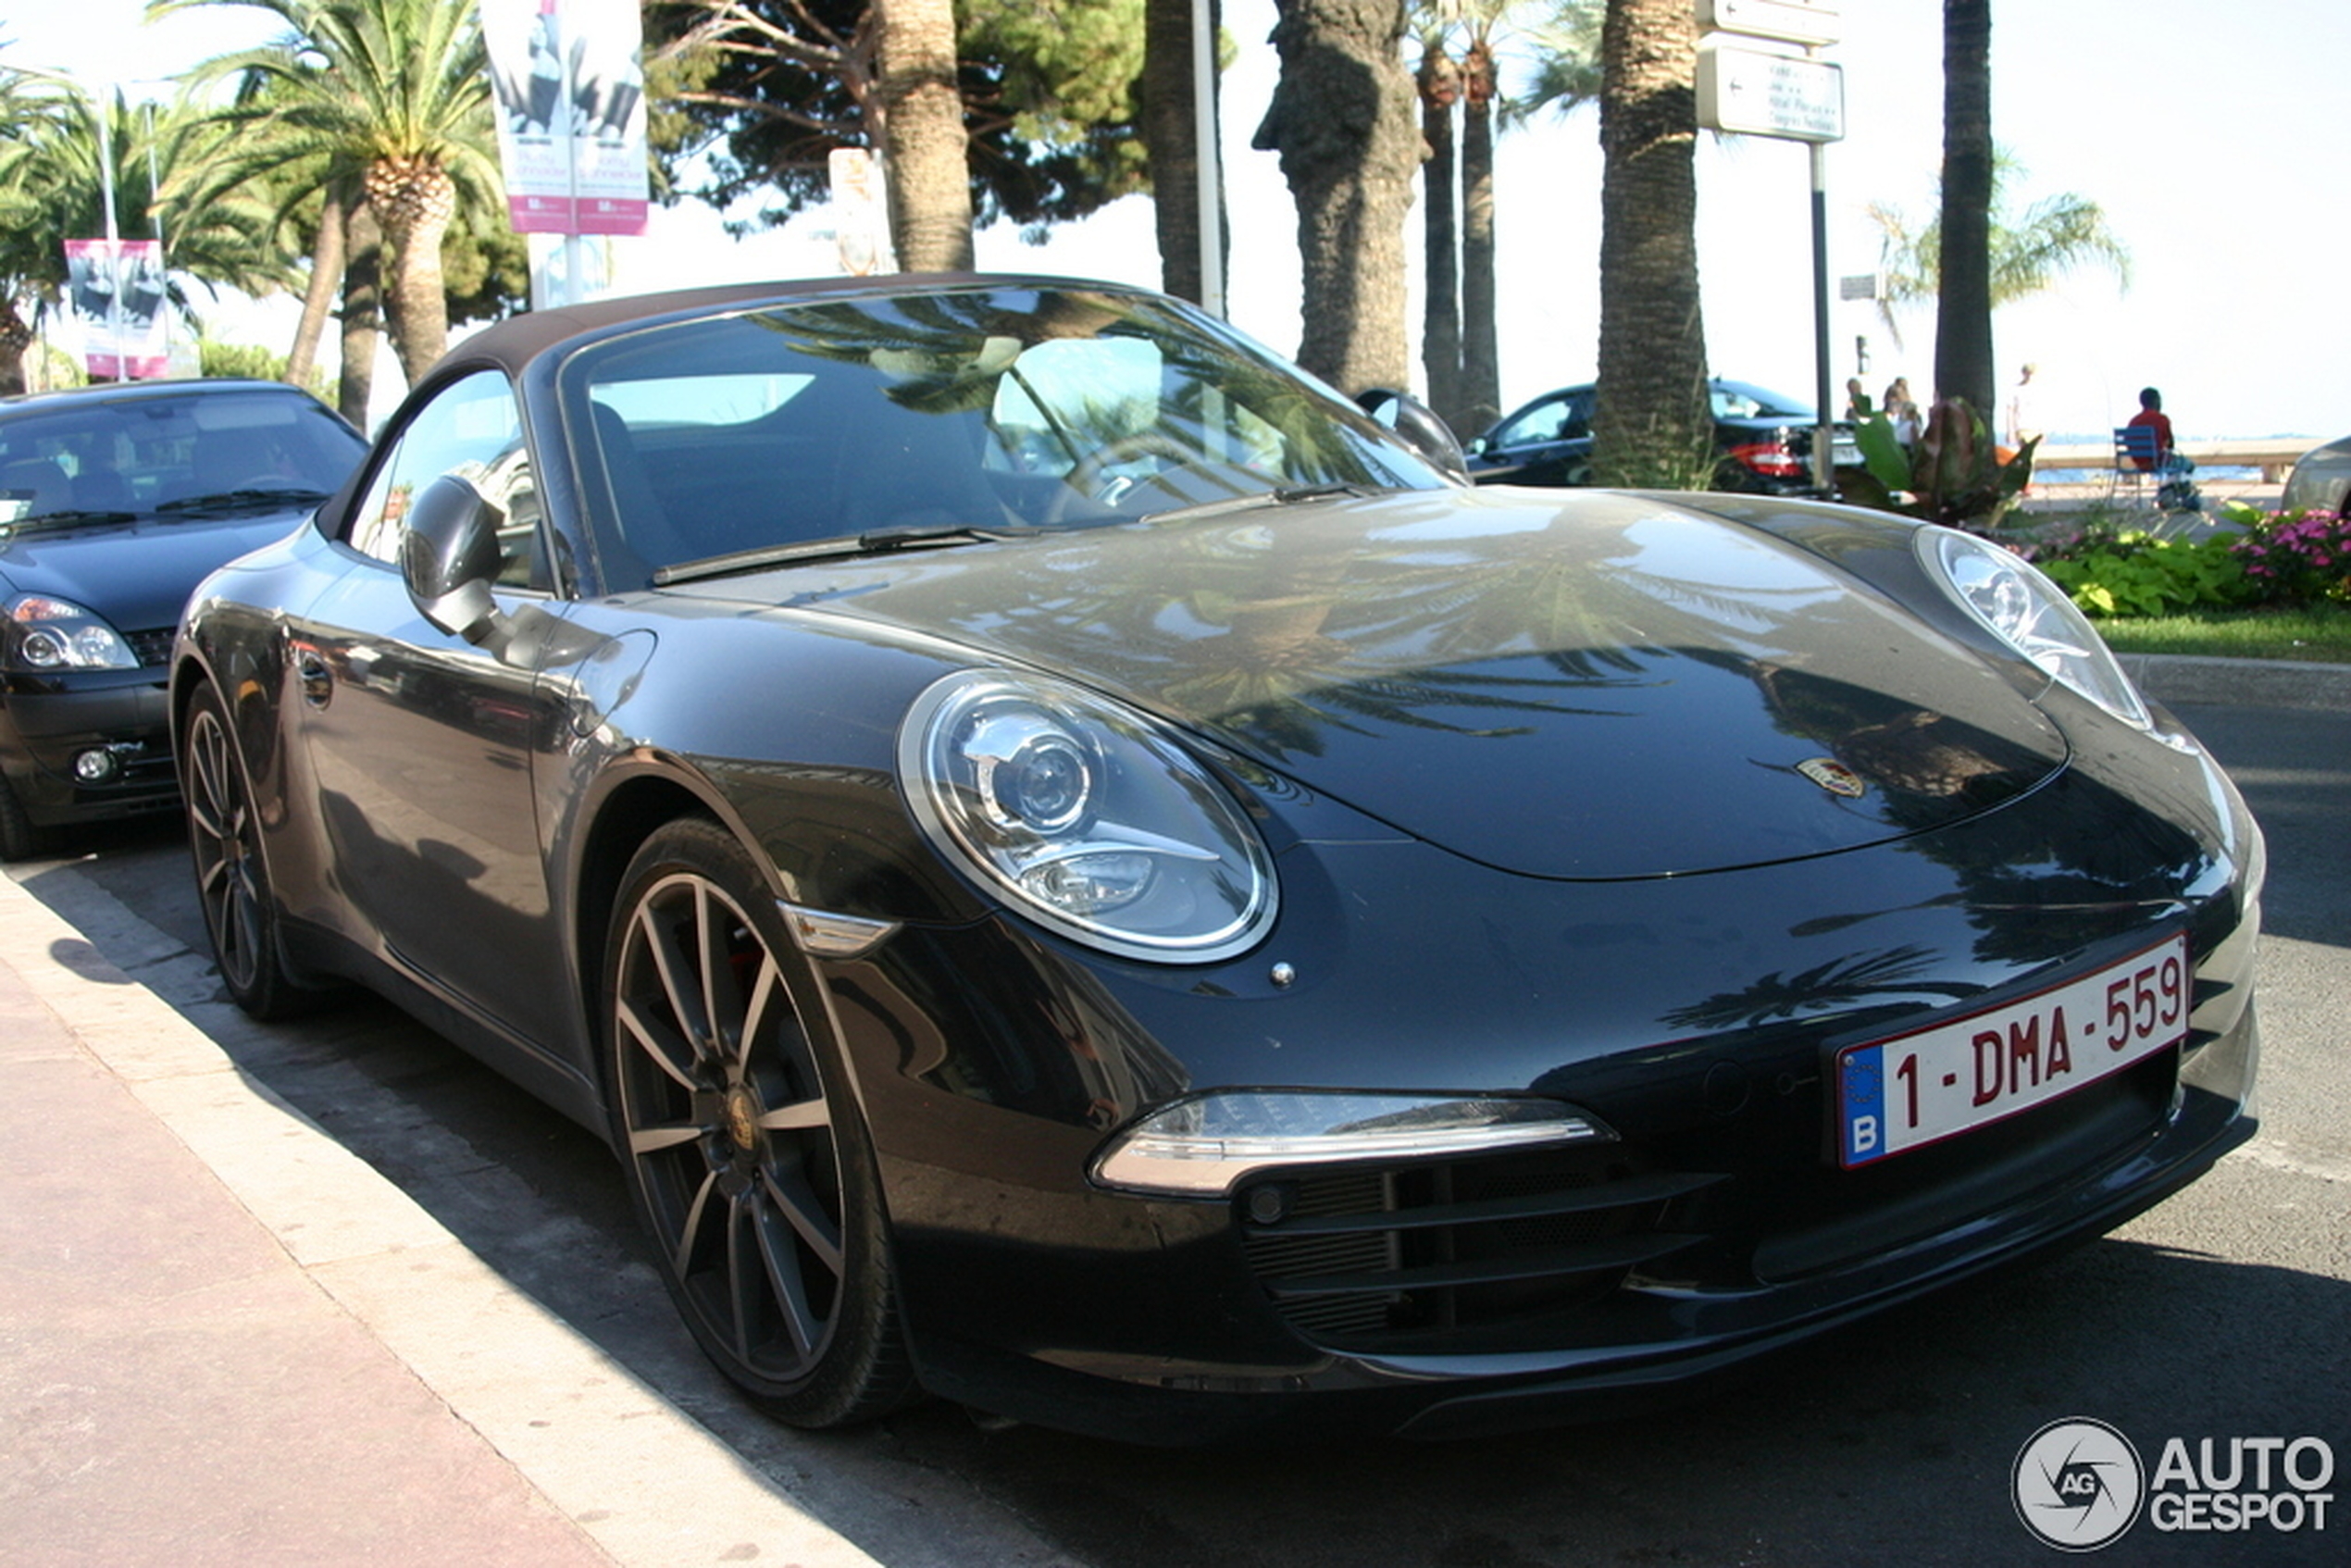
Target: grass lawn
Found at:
x=2321, y=634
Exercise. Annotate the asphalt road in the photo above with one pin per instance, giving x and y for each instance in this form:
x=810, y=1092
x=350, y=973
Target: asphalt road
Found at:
x=2223, y=1314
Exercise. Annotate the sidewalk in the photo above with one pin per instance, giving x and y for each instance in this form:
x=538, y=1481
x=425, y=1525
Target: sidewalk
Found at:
x=226, y=1340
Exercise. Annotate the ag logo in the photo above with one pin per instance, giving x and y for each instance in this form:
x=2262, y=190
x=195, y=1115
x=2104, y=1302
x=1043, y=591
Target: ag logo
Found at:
x=2078, y=1484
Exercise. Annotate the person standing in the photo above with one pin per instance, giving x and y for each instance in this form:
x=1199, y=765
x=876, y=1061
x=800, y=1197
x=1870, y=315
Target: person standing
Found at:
x=2025, y=419
x=1901, y=412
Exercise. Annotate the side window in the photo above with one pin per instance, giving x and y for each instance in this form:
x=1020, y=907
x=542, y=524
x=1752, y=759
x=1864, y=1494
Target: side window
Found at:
x=1565, y=418
x=471, y=428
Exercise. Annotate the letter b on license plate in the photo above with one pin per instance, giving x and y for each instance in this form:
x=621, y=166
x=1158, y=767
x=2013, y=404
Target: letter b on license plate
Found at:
x=1947, y=1078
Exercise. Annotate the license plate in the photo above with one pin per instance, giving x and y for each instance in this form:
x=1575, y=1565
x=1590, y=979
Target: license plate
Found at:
x=1948, y=1078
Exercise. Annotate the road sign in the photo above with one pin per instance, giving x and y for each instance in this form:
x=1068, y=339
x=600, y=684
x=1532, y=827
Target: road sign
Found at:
x=1755, y=93
x=1796, y=22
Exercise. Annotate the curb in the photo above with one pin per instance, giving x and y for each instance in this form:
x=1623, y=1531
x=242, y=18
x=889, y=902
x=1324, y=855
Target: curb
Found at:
x=648, y=1484
x=2173, y=679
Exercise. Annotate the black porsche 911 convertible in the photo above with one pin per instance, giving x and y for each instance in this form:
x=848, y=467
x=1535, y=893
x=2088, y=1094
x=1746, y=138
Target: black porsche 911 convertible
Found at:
x=1081, y=874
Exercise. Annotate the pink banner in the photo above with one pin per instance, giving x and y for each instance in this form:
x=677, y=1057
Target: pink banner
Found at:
x=115, y=294
x=570, y=86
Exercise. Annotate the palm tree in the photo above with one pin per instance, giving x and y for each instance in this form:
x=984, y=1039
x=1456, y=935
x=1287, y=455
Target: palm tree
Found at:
x=1650, y=424
x=56, y=169
x=393, y=90
x=1458, y=344
x=2029, y=252
x=1963, y=315
x=1343, y=119
x=36, y=118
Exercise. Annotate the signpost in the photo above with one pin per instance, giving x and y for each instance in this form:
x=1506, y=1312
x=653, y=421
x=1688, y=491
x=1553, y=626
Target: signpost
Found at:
x=569, y=82
x=1793, y=97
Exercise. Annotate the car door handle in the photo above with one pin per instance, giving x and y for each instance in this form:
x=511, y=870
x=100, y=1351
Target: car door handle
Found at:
x=318, y=680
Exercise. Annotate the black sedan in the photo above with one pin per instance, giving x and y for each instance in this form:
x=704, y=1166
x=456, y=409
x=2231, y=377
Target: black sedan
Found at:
x=1079, y=875
x=115, y=500
x=1762, y=441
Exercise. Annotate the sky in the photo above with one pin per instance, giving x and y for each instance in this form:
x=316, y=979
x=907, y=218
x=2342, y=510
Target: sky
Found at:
x=2213, y=136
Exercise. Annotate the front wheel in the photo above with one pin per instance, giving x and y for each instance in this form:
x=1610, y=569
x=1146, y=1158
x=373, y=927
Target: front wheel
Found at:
x=744, y=1150
x=232, y=878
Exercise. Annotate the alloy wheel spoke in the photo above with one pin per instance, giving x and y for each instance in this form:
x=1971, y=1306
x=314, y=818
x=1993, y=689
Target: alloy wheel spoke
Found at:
x=801, y=1210
x=764, y=991
x=779, y=1263
x=800, y=1115
x=670, y=1051
x=668, y=1134
x=682, y=1255
x=677, y=973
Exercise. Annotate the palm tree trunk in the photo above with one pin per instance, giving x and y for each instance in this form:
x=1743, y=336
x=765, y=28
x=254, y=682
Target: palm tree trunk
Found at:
x=923, y=136
x=1343, y=119
x=1440, y=84
x=362, y=311
x=1650, y=425
x=1963, y=308
x=415, y=199
x=16, y=336
x=326, y=279
x=1481, y=354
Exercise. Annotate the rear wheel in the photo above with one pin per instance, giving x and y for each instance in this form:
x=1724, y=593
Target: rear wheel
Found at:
x=232, y=879
x=745, y=1153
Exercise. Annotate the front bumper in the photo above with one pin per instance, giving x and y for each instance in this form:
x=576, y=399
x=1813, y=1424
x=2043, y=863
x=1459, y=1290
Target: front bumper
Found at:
x=46, y=724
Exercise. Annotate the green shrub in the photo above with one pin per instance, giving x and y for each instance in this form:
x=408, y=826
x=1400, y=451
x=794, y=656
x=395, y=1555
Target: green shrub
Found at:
x=2136, y=574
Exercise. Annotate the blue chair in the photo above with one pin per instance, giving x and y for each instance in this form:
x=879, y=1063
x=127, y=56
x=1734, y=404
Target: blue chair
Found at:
x=2138, y=457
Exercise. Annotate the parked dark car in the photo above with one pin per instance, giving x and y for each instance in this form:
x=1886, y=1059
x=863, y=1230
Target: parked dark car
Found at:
x=115, y=500
x=1080, y=874
x=1762, y=441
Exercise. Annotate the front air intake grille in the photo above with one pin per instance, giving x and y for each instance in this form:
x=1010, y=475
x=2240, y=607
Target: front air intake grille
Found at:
x=1418, y=1256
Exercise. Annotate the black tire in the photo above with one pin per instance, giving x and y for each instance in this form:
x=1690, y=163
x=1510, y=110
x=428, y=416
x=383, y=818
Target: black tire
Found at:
x=745, y=1152
x=232, y=876
x=19, y=839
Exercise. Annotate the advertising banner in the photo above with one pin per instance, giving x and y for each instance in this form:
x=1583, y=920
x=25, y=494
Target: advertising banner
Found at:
x=115, y=292
x=570, y=85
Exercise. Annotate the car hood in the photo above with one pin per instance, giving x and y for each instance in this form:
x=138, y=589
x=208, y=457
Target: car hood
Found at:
x=1585, y=686
x=138, y=573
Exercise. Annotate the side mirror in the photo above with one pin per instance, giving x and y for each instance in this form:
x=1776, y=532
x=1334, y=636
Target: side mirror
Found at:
x=449, y=558
x=1417, y=424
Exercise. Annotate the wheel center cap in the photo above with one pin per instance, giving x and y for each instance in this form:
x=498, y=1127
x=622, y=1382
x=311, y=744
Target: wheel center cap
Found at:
x=743, y=1119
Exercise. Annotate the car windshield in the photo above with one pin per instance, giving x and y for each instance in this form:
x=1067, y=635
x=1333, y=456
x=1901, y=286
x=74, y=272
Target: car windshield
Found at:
x=107, y=459
x=942, y=417
x=1736, y=400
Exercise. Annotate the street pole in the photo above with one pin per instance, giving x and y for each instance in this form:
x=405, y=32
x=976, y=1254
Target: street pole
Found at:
x=1209, y=161
x=1824, y=436
x=114, y=240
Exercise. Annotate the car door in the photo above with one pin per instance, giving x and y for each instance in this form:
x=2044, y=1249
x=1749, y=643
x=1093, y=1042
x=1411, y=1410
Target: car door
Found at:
x=1547, y=442
x=422, y=745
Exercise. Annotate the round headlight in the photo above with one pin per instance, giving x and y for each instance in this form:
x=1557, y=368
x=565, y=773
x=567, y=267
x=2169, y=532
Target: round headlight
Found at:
x=1088, y=814
x=2032, y=616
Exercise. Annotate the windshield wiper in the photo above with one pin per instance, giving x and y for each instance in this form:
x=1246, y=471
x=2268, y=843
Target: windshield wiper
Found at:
x=231, y=500
x=1282, y=496
x=873, y=542
x=65, y=519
